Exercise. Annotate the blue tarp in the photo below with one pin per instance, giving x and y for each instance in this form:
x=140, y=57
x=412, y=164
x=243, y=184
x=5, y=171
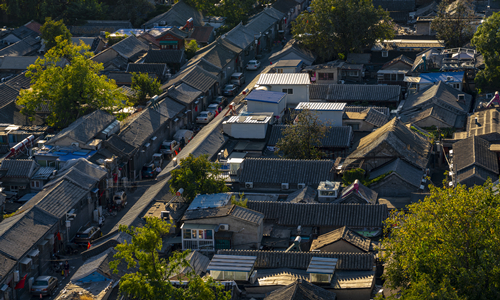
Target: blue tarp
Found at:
x=442, y=76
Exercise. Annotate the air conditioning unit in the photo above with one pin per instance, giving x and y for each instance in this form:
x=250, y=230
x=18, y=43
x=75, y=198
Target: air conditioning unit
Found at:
x=449, y=78
x=223, y=226
x=22, y=187
x=75, y=144
x=165, y=215
x=249, y=185
x=284, y=186
x=461, y=97
x=301, y=185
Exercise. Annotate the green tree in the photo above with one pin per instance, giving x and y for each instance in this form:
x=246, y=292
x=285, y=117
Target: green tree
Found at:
x=341, y=27
x=302, y=141
x=145, y=87
x=446, y=246
x=152, y=280
x=453, y=22
x=70, y=91
x=197, y=175
x=487, y=42
x=52, y=29
x=191, y=49
x=241, y=201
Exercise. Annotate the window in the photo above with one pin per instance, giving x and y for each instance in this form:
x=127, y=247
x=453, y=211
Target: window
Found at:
x=279, y=70
x=393, y=77
x=193, y=235
x=385, y=53
x=35, y=184
x=187, y=234
x=327, y=193
x=325, y=76
x=200, y=234
x=353, y=125
x=320, y=277
x=14, y=188
x=456, y=85
x=352, y=73
x=288, y=91
x=208, y=234
x=387, y=77
x=401, y=77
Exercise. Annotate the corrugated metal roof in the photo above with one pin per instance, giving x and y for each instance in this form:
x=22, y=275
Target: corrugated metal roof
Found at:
x=265, y=96
x=236, y=263
x=284, y=78
x=210, y=201
x=249, y=119
x=322, y=265
x=329, y=106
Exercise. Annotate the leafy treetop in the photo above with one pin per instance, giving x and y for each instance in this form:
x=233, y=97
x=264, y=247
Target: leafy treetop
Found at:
x=487, y=42
x=52, y=29
x=145, y=87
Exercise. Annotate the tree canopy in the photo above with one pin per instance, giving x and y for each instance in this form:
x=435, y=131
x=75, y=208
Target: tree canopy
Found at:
x=341, y=27
x=302, y=140
x=191, y=49
x=145, y=87
x=446, y=246
x=197, y=175
x=487, y=42
x=52, y=29
x=152, y=279
x=68, y=91
x=453, y=22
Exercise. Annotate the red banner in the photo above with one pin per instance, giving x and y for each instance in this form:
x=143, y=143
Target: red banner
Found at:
x=20, y=284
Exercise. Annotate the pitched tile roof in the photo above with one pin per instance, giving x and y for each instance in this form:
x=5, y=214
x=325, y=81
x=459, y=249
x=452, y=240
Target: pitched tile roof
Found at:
x=440, y=94
x=293, y=50
x=360, y=190
x=19, y=233
x=338, y=136
x=261, y=22
x=358, y=58
x=60, y=197
x=142, y=127
x=239, y=36
x=301, y=290
x=284, y=6
x=25, y=46
x=130, y=48
x=401, y=58
x=477, y=173
x=355, y=92
x=86, y=167
x=488, y=122
x=17, y=63
x=150, y=39
x=474, y=151
x=406, y=172
x=184, y=93
x=177, y=15
x=304, y=195
x=158, y=69
x=119, y=146
x=409, y=145
x=43, y=173
x=436, y=112
x=202, y=34
x=195, y=77
x=30, y=29
x=384, y=110
x=18, y=168
x=219, y=53
x=164, y=57
x=238, y=212
x=301, y=260
x=19, y=82
x=375, y=117
x=342, y=233
x=169, y=107
x=7, y=95
x=85, y=128
x=11, y=114
x=6, y=265
x=272, y=170
x=325, y=214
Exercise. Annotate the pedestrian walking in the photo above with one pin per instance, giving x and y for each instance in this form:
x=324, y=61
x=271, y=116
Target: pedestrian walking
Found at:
x=66, y=269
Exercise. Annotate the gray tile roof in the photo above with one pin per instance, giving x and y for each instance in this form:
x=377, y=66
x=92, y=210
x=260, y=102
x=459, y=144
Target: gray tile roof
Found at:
x=94, y=27
x=119, y=146
x=82, y=173
x=325, y=214
x=178, y=15
x=355, y=92
x=164, y=57
x=239, y=36
x=170, y=108
x=6, y=264
x=339, y=136
x=383, y=110
x=142, y=127
x=358, y=58
x=474, y=151
x=488, y=122
x=175, y=32
x=406, y=172
x=158, y=69
x=375, y=117
x=207, y=66
x=98, y=263
x=18, y=234
x=293, y=49
x=301, y=260
x=184, y=93
x=475, y=174
x=342, y=233
x=128, y=91
x=19, y=82
x=24, y=47
x=18, y=168
x=401, y=58
x=195, y=77
x=261, y=22
x=285, y=5
x=202, y=34
x=43, y=173
x=363, y=192
x=304, y=195
x=409, y=145
x=436, y=112
x=11, y=114
x=85, y=128
x=7, y=95
x=231, y=210
x=440, y=94
x=272, y=170
x=301, y=290
x=25, y=30
x=59, y=198
x=130, y=48
x=219, y=53
x=345, y=280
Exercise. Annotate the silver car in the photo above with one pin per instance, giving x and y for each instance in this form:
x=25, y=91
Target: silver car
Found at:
x=44, y=285
x=205, y=117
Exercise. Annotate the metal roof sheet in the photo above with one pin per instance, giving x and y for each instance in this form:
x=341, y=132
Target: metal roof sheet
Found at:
x=326, y=106
x=249, y=119
x=284, y=78
x=322, y=265
x=265, y=96
x=237, y=263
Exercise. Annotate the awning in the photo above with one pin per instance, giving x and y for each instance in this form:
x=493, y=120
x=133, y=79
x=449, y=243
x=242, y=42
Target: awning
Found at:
x=33, y=253
x=25, y=261
x=234, y=263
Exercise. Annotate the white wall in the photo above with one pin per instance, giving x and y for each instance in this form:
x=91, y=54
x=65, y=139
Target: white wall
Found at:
x=300, y=93
x=278, y=109
x=245, y=130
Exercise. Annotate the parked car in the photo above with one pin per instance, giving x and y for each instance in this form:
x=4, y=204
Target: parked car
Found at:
x=157, y=160
x=230, y=90
x=44, y=285
x=221, y=100
x=253, y=65
x=167, y=148
x=120, y=198
x=238, y=79
x=148, y=171
x=205, y=117
x=214, y=107
x=87, y=235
